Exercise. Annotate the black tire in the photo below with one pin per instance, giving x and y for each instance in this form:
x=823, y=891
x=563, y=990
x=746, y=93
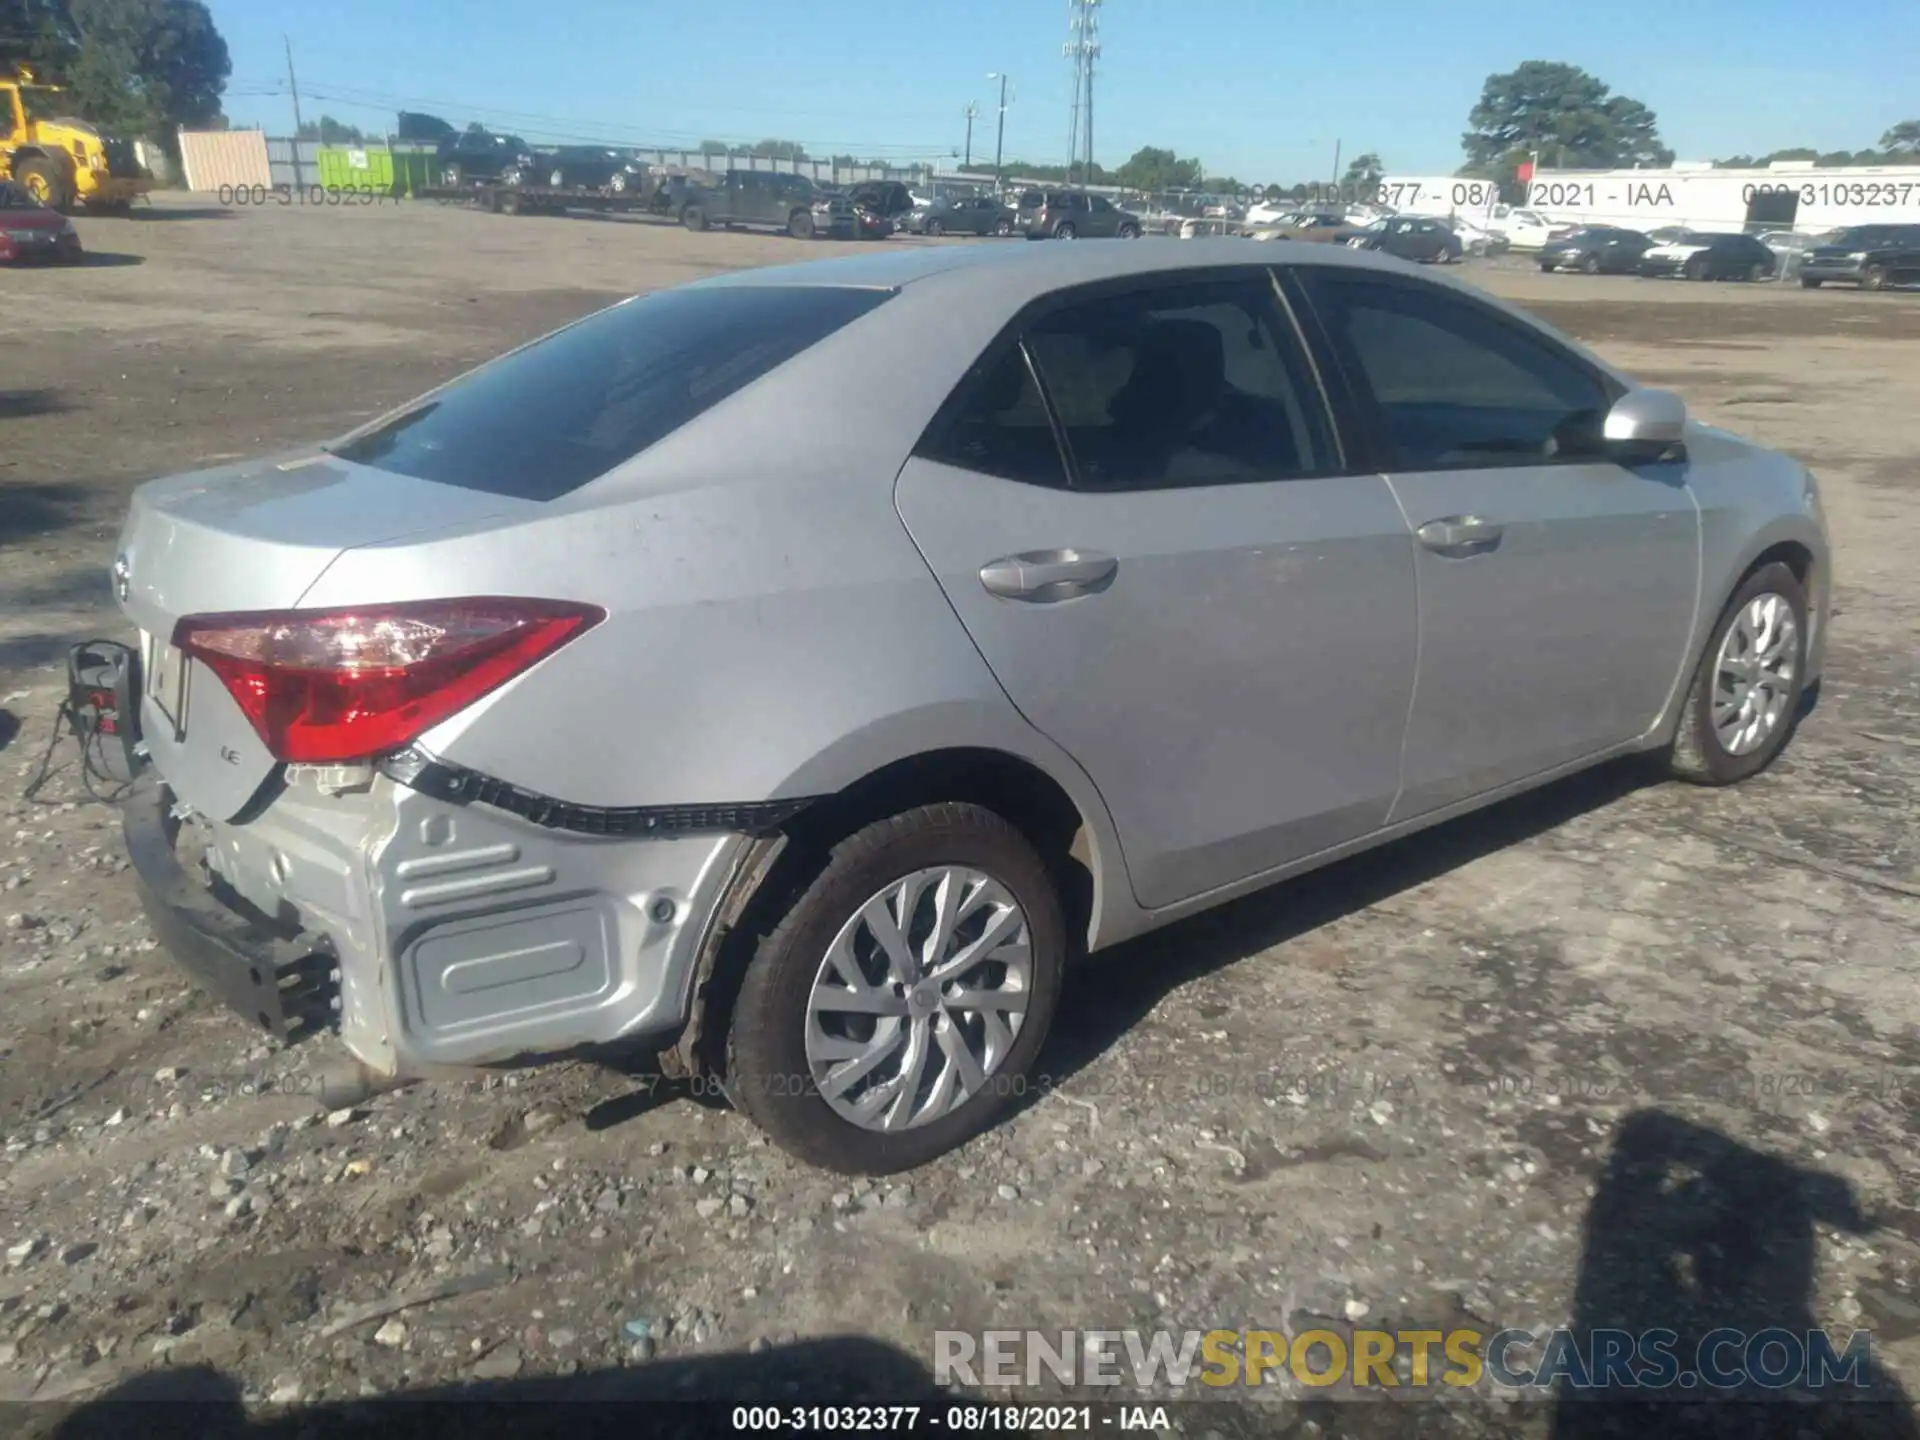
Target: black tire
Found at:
x=1697, y=754
x=617, y=182
x=511, y=202
x=1547, y=267
x=1876, y=277
x=1003, y=228
x=1064, y=230
x=766, y=1039
x=451, y=176
x=1808, y=282
x=933, y=227
x=46, y=181
x=1698, y=269
x=1590, y=264
x=800, y=225
x=1129, y=232
x=694, y=218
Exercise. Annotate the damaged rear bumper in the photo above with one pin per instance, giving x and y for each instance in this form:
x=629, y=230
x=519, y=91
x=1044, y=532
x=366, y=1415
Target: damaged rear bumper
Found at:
x=286, y=984
x=434, y=931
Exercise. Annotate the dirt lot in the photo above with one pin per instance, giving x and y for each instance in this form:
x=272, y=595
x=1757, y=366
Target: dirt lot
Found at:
x=1419, y=1089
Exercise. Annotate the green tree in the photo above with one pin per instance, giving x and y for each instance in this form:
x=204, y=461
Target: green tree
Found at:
x=38, y=34
x=1364, y=170
x=147, y=66
x=1571, y=119
x=1903, y=140
x=329, y=131
x=1150, y=168
x=777, y=150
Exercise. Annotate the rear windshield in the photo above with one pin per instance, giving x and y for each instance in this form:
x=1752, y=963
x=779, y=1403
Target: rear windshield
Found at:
x=546, y=420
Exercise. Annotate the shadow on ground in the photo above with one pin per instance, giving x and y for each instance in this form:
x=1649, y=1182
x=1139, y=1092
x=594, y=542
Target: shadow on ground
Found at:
x=1712, y=1243
x=692, y=1397
x=22, y=404
x=148, y=215
x=1106, y=999
x=30, y=508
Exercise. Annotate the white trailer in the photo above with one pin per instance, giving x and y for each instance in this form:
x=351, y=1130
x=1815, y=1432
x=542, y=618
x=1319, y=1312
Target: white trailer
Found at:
x=1783, y=196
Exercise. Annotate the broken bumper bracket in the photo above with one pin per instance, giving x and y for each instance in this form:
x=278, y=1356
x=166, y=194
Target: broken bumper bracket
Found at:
x=287, y=986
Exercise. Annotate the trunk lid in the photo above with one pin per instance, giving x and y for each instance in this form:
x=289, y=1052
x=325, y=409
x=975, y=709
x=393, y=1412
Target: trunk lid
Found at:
x=251, y=536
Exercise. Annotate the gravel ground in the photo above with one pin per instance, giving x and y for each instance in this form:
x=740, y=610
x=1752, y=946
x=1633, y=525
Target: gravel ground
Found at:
x=1424, y=1088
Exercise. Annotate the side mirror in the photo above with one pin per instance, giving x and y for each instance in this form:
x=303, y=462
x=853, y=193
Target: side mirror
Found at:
x=1646, y=425
x=1647, y=417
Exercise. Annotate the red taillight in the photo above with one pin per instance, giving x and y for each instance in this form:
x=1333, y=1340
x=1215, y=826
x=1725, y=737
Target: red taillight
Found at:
x=327, y=686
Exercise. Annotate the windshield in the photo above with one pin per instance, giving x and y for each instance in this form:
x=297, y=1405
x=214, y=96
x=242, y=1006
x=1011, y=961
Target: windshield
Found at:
x=547, y=419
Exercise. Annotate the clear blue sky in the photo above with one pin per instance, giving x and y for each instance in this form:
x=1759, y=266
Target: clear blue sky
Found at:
x=1259, y=89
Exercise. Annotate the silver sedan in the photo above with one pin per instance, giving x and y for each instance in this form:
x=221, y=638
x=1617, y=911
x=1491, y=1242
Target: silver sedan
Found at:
x=795, y=669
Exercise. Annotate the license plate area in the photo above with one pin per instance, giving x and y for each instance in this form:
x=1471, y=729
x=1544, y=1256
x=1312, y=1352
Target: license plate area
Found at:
x=165, y=669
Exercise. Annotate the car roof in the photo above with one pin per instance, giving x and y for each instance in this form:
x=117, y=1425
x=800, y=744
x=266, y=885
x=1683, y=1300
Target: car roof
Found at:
x=1004, y=278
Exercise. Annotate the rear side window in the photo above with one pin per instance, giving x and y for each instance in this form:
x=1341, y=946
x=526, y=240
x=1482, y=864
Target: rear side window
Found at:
x=1194, y=384
x=1001, y=426
x=547, y=419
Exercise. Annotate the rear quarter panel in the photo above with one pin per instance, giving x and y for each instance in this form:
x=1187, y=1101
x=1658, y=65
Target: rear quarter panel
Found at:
x=772, y=631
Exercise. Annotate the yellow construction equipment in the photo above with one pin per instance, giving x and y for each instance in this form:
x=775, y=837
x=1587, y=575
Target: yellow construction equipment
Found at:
x=63, y=161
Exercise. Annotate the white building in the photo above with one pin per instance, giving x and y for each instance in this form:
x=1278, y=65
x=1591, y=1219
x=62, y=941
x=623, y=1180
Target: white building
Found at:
x=1787, y=195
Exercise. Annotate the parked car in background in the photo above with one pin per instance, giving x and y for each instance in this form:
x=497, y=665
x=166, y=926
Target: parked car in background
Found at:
x=937, y=694
x=1074, y=215
x=1524, y=229
x=476, y=157
x=1596, y=250
x=762, y=198
x=1711, y=255
x=585, y=167
x=968, y=215
x=1315, y=226
x=1869, y=256
x=1475, y=235
x=883, y=203
x=1411, y=237
x=671, y=192
x=31, y=231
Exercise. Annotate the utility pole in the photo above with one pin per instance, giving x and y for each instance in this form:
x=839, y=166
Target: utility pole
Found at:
x=293, y=88
x=1083, y=47
x=1000, y=136
x=973, y=110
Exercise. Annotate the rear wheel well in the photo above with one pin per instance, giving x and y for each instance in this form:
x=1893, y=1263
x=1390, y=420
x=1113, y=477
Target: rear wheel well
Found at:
x=1018, y=791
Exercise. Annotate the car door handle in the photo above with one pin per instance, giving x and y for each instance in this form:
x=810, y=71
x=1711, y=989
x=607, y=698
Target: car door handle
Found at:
x=1459, y=534
x=1047, y=575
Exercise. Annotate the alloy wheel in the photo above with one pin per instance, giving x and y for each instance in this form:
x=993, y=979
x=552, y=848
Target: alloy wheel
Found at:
x=919, y=999
x=1753, y=675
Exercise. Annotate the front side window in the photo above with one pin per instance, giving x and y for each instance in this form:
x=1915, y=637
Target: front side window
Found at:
x=1182, y=385
x=1455, y=385
x=565, y=410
